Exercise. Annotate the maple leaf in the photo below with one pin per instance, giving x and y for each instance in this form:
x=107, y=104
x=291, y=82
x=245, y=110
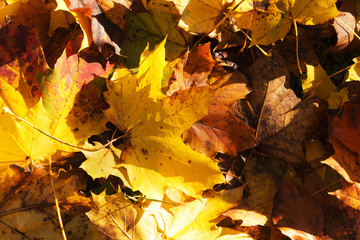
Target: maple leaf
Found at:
x=319, y=84
x=154, y=155
x=219, y=130
x=256, y=208
x=198, y=218
x=344, y=133
x=27, y=197
x=296, y=214
x=354, y=71
x=151, y=28
x=270, y=26
x=193, y=68
x=102, y=163
x=69, y=108
x=21, y=67
x=116, y=217
x=285, y=122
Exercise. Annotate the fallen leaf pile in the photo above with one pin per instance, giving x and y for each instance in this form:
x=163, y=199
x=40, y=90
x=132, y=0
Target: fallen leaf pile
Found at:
x=178, y=120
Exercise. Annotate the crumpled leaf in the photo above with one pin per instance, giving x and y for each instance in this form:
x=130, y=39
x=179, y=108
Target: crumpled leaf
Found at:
x=220, y=130
x=193, y=68
x=115, y=216
x=154, y=155
x=98, y=22
x=151, y=28
x=296, y=214
x=319, y=84
x=27, y=197
x=345, y=35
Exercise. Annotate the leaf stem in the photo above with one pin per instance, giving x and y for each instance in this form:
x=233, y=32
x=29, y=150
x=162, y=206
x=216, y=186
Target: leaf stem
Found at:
x=90, y=149
x=297, y=46
x=56, y=202
x=344, y=24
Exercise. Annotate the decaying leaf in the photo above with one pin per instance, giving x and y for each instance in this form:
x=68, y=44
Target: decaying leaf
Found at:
x=255, y=209
x=115, y=216
x=284, y=122
x=296, y=214
x=21, y=65
x=219, y=130
x=27, y=203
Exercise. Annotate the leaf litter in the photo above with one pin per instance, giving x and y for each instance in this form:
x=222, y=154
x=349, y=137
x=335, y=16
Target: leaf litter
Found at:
x=180, y=115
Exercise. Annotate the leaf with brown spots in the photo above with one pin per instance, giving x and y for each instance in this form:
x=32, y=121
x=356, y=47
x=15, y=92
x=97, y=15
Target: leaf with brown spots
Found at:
x=22, y=65
x=72, y=96
x=154, y=155
x=284, y=122
x=27, y=204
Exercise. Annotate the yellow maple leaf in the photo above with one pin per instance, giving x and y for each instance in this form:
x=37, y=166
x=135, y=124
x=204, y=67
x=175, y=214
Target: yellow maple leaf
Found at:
x=269, y=26
x=102, y=163
x=354, y=71
x=195, y=219
x=319, y=84
x=23, y=140
x=201, y=16
x=154, y=155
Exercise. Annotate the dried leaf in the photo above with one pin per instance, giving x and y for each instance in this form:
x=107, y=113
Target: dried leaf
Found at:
x=296, y=214
x=28, y=198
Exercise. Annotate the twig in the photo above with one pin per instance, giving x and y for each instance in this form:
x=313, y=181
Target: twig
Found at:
x=56, y=202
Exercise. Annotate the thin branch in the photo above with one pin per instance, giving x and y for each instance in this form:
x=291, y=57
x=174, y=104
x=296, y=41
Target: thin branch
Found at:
x=117, y=224
x=297, y=46
x=56, y=202
x=90, y=149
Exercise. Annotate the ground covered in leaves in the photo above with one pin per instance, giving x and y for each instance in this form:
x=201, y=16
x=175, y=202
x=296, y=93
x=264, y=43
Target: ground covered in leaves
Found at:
x=179, y=119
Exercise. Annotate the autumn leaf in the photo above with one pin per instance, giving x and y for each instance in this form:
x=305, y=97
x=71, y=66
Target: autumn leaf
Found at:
x=151, y=28
x=198, y=218
x=193, y=68
x=27, y=197
x=319, y=84
x=21, y=66
x=256, y=208
x=153, y=154
x=102, y=163
x=285, y=122
x=115, y=216
x=354, y=71
x=296, y=214
x=270, y=26
x=344, y=133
